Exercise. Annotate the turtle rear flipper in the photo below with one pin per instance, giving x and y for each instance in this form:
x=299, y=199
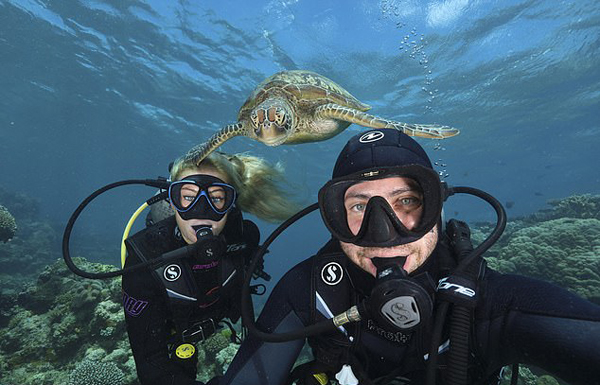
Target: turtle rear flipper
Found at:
x=201, y=151
x=335, y=111
x=431, y=131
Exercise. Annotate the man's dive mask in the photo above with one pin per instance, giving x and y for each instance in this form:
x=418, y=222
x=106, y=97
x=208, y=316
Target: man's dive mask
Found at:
x=380, y=226
x=202, y=197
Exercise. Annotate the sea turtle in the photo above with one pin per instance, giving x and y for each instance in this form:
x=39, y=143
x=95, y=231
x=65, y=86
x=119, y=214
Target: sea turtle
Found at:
x=302, y=106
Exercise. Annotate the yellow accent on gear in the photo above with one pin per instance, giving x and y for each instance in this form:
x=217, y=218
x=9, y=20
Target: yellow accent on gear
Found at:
x=128, y=229
x=185, y=351
x=321, y=377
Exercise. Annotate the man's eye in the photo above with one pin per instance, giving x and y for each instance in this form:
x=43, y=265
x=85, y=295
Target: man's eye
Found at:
x=410, y=202
x=189, y=198
x=359, y=207
x=217, y=199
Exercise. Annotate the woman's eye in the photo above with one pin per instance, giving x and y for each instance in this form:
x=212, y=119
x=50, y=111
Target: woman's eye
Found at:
x=188, y=198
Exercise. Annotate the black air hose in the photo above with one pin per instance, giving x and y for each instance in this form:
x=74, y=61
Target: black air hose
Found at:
x=440, y=315
x=458, y=359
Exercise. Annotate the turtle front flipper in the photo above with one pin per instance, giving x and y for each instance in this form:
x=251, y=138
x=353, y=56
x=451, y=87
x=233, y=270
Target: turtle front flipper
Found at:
x=335, y=111
x=201, y=151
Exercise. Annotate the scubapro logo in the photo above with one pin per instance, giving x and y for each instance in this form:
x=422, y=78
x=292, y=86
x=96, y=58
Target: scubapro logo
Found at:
x=172, y=272
x=332, y=273
x=372, y=136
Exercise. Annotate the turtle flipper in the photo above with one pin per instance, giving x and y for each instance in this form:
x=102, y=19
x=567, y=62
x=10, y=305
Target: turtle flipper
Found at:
x=201, y=151
x=335, y=111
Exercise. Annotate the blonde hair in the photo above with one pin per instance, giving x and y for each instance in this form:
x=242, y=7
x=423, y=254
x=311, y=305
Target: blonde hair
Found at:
x=257, y=183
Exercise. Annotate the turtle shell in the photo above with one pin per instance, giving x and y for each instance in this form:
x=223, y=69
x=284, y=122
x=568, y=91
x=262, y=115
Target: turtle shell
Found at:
x=306, y=87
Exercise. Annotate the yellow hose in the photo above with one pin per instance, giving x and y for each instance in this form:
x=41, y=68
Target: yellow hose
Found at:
x=128, y=229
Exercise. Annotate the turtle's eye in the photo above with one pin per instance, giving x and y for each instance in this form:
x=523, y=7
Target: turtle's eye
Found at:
x=279, y=116
x=254, y=118
x=255, y=122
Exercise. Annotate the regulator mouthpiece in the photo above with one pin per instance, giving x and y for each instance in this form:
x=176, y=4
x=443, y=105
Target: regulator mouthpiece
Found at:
x=389, y=267
x=202, y=231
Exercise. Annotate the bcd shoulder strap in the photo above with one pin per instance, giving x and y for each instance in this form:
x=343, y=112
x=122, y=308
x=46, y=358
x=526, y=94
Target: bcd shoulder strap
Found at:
x=332, y=294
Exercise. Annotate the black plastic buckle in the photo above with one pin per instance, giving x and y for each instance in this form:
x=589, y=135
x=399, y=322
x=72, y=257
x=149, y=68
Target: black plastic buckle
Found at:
x=258, y=289
x=200, y=331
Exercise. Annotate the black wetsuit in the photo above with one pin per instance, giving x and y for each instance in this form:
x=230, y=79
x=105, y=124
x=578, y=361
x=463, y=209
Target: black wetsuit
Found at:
x=517, y=319
x=156, y=318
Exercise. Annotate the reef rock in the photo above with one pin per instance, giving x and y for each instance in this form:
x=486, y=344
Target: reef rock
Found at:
x=8, y=225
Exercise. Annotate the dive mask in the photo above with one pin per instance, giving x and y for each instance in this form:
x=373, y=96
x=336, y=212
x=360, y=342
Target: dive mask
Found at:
x=186, y=196
x=380, y=226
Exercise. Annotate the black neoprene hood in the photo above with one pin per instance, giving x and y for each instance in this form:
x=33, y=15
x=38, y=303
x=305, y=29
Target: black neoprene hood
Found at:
x=379, y=148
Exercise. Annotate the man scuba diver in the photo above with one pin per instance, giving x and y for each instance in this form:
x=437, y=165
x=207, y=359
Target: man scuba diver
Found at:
x=392, y=265
x=171, y=308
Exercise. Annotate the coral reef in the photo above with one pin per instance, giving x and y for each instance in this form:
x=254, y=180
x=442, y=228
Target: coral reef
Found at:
x=8, y=225
x=21, y=206
x=215, y=344
x=565, y=251
x=61, y=319
x=577, y=206
x=215, y=354
x=526, y=377
x=35, y=245
x=89, y=372
x=225, y=356
x=584, y=206
x=559, y=244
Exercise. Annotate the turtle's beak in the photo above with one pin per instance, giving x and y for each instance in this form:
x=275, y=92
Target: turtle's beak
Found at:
x=272, y=125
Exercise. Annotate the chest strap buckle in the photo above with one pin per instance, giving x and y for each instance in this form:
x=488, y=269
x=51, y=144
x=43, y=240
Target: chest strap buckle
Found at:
x=199, y=331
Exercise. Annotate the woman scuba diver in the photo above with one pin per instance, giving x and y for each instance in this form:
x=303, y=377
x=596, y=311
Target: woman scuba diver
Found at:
x=172, y=307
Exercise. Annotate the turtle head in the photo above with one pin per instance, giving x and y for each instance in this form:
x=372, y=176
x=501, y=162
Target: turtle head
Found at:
x=272, y=122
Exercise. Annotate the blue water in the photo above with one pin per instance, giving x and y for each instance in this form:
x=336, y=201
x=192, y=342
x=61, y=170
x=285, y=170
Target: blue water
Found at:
x=93, y=92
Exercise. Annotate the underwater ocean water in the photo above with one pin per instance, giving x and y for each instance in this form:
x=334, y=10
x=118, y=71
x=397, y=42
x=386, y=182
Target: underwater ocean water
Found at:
x=93, y=92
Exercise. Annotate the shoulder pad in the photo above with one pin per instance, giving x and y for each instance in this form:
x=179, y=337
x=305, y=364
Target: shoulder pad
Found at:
x=331, y=284
x=240, y=234
x=152, y=241
x=251, y=233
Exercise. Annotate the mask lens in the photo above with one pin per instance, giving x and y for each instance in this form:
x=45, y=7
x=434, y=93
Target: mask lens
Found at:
x=186, y=195
x=218, y=197
x=404, y=198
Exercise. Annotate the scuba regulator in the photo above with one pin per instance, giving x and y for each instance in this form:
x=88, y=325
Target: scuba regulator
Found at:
x=397, y=300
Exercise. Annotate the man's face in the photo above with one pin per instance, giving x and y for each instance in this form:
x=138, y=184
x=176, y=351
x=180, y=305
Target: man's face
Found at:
x=405, y=197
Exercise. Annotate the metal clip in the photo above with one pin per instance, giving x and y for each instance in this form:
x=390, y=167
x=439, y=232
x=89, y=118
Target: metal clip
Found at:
x=199, y=331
